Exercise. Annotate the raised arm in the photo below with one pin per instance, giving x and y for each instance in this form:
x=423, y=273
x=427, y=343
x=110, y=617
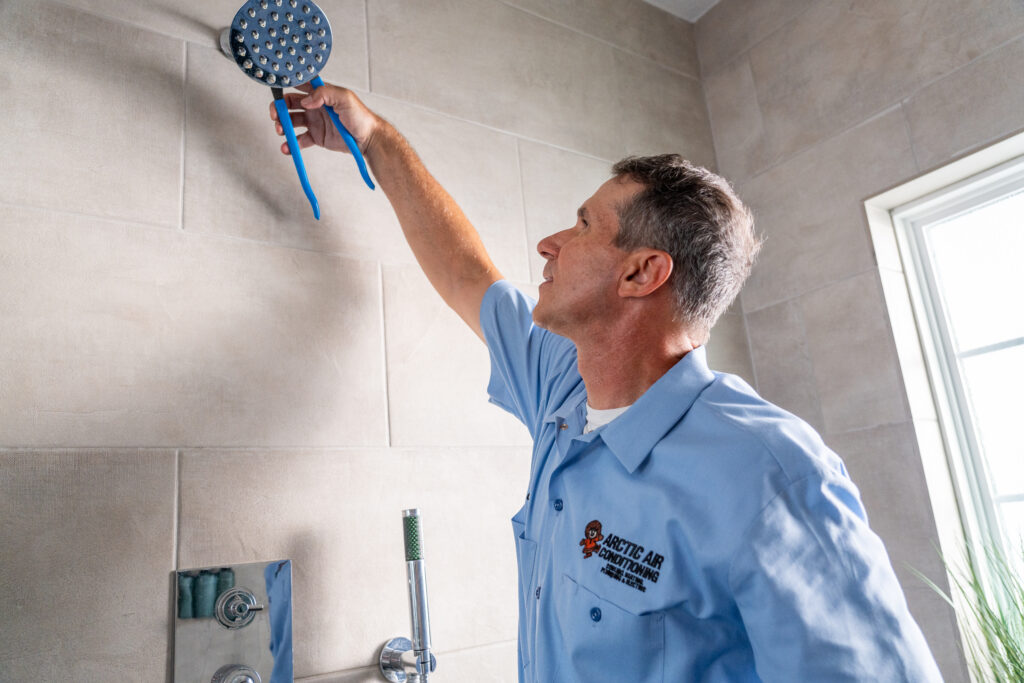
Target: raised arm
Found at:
x=443, y=240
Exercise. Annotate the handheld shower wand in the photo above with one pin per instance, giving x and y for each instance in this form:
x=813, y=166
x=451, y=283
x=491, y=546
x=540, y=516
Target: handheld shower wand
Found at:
x=403, y=660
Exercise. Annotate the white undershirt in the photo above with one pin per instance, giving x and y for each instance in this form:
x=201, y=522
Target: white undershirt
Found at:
x=599, y=418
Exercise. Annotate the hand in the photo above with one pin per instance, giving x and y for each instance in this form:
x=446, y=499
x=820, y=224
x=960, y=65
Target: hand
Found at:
x=307, y=112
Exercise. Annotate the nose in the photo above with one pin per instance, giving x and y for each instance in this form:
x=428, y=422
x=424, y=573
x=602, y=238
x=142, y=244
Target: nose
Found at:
x=550, y=245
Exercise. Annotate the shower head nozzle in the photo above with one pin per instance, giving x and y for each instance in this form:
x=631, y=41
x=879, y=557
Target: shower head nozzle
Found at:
x=250, y=38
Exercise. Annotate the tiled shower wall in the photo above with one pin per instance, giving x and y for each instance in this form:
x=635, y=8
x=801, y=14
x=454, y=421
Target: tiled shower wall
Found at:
x=817, y=105
x=195, y=372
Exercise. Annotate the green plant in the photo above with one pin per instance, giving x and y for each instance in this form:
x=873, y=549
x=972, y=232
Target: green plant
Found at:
x=990, y=607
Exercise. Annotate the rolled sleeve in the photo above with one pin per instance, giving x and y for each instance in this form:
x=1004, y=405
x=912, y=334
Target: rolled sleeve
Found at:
x=529, y=365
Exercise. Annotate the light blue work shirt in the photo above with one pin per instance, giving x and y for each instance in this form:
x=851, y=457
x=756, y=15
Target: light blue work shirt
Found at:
x=703, y=535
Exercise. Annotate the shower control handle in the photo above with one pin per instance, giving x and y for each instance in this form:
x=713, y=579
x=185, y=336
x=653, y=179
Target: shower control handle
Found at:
x=236, y=607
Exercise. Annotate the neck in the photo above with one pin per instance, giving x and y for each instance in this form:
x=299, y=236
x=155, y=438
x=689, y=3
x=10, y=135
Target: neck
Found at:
x=621, y=362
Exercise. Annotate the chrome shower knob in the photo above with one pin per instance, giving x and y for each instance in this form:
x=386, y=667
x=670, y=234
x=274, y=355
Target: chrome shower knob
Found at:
x=236, y=673
x=236, y=607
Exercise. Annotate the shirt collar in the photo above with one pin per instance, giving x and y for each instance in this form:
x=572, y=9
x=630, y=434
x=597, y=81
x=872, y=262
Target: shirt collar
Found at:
x=633, y=435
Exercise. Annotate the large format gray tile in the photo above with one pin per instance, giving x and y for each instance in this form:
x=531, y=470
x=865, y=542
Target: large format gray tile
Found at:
x=555, y=185
x=810, y=209
x=237, y=182
x=630, y=24
x=119, y=335
x=479, y=168
x=970, y=107
x=494, y=64
x=337, y=515
x=202, y=22
x=736, y=120
x=728, y=350
x=437, y=372
x=840, y=62
x=88, y=545
x=782, y=361
x=731, y=27
x=97, y=128
x=853, y=355
x=938, y=623
x=886, y=466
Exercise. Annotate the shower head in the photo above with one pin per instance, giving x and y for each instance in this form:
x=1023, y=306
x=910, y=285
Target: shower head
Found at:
x=286, y=43
x=278, y=42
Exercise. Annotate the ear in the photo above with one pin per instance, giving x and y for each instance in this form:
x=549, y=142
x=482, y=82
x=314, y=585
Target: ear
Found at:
x=644, y=271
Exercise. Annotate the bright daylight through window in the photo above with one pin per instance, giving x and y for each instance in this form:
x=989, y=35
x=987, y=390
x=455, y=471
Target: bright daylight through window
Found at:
x=963, y=248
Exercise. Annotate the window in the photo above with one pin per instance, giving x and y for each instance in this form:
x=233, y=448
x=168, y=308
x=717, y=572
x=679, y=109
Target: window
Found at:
x=962, y=250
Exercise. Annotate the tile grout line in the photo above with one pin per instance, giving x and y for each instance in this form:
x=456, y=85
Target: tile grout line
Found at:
x=115, y=19
x=184, y=133
x=292, y=448
x=495, y=129
x=372, y=667
x=366, y=24
x=175, y=559
x=177, y=509
x=711, y=122
x=610, y=44
x=384, y=352
x=750, y=345
x=886, y=108
x=910, y=139
x=857, y=430
x=522, y=205
x=479, y=124
x=814, y=145
x=794, y=297
x=196, y=235
x=748, y=48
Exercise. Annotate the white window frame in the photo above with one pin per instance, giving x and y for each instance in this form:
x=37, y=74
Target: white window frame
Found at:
x=955, y=488
x=954, y=491
x=910, y=221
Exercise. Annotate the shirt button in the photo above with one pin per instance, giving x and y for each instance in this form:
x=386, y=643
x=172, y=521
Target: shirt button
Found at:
x=538, y=592
x=558, y=504
x=563, y=426
x=595, y=614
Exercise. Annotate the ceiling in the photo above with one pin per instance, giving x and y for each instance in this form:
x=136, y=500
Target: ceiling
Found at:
x=691, y=10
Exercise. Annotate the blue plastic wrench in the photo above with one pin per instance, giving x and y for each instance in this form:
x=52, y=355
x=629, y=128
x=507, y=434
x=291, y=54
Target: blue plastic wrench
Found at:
x=349, y=140
x=285, y=120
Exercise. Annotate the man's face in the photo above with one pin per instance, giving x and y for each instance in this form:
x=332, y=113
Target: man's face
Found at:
x=583, y=265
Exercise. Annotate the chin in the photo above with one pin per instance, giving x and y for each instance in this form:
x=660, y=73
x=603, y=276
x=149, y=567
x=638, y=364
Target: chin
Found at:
x=547, y=322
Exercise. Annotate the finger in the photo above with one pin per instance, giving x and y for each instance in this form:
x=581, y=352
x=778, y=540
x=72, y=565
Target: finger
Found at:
x=299, y=120
x=320, y=95
x=273, y=112
x=305, y=140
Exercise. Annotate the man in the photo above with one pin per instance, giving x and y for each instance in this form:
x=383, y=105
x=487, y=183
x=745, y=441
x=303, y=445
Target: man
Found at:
x=677, y=526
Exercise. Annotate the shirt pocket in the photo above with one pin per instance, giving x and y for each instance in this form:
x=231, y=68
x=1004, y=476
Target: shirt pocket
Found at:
x=604, y=642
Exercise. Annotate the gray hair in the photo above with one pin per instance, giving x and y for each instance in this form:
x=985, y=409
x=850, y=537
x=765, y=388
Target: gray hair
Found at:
x=696, y=217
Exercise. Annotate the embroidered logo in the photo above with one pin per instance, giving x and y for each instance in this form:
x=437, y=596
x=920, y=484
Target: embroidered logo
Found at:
x=630, y=563
x=591, y=537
